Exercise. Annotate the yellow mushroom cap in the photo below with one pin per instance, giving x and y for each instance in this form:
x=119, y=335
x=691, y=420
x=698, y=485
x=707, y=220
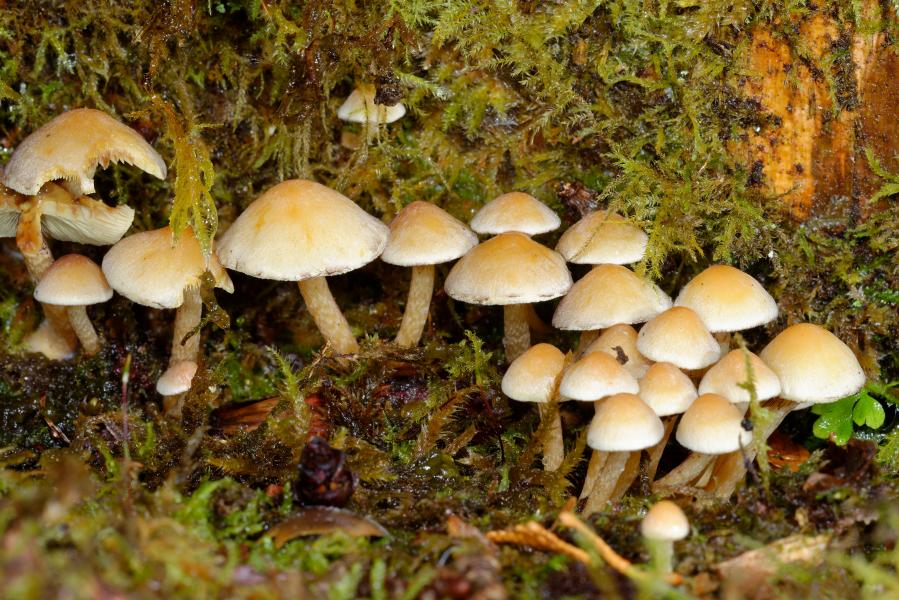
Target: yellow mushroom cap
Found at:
x=73, y=280
x=153, y=270
x=666, y=389
x=712, y=425
x=727, y=374
x=624, y=423
x=533, y=376
x=510, y=268
x=425, y=234
x=727, y=299
x=596, y=376
x=515, y=211
x=621, y=337
x=301, y=229
x=71, y=146
x=177, y=378
x=678, y=336
x=606, y=296
x=360, y=107
x=602, y=237
x=666, y=522
x=813, y=365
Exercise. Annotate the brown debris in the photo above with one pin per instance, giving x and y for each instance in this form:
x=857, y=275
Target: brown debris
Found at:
x=325, y=477
x=321, y=520
x=533, y=534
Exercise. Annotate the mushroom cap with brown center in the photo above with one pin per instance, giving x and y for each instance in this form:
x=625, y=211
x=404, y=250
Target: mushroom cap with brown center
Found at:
x=813, y=365
x=728, y=375
x=152, y=269
x=533, y=376
x=606, y=296
x=510, y=268
x=620, y=341
x=425, y=234
x=73, y=280
x=72, y=145
x=360, y=107
x=602, y=237
x=712, y=425
x=624, y=423
x=667, y=389
x=515, y=211
x=301, y=229
x=665, y=522
x=727, y=299
x=596, y=376
x=678, y=336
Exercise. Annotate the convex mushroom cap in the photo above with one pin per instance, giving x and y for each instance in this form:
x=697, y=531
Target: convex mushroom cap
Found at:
x=712, y=425
x=425, y=234
x=665, y=522
x=298, y=230
x=624, y=423
x=727, y=299
x=620, y=341
x=515, y=211
x=152, y=269
x=602, y=237
x=595, y=376
x=177, y=378
x=71, y=146
x=510, y=268
x=678, y=336
x=728, y=376
x=813, y=365
x=606, y=296
x=360, y=107
x=534, y=376
x=666, y=389
x=73, y=280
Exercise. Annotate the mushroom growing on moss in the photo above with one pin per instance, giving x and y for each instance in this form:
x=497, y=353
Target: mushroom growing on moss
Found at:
x=303, y=231
x=664, y=524
x=515, y=211
x=423, y=235
x=360, y=107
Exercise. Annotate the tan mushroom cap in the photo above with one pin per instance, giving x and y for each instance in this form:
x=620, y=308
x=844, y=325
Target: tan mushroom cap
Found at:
x=665, y=522
x=712, y=425
x=360, y=107
x=533, y=376
x=301, y=229
x=177, y=378
x=596, y=376
x=727, y=374
x=425, y=234
x=73, y=280
x=727, y=299
x=602, y=237
x=624, y=423
x=510, y=268
x=678, y=336
x=515, y=211
x=813, y=365
x=71, y=146
x=47, y=341
x=148, y=268
x=606, y=296
x=623, y=337
x=667, y=390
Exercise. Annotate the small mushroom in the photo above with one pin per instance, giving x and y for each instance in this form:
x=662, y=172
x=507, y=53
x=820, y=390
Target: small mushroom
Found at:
x=668, y=392
x=360, y=107
x=515, y=211
x=664, y=524
x=678, y=336
x=620, y=341
x=177, y=378
x=423, y=235
x=75, y=281
x=603, y=237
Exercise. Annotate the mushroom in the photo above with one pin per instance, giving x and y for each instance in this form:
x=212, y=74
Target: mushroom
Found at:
x=45, y=340
x=153, y=269
x=177, y=378
x=360, y=107
x=421, y=236
x=620, y=341
x=75, y=281
x=664, y=524
x=515, y=211
x=602, y=237
x=731, y=376
x=678, y=336
x=534, y=377
x=303, y=231
x=668, y=392
x=511, y=270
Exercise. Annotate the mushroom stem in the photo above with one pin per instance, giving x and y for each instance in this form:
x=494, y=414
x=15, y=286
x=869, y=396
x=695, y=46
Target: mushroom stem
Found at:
x=594, y=468
x=692, y=467
x=85, y=331
x=517, y=338
x=628, y=475
x=187, y=318
x=661, y=555
x=421, y=288
x=655, y=453
x=327, y=316
x=605, y=485
x=553, y=446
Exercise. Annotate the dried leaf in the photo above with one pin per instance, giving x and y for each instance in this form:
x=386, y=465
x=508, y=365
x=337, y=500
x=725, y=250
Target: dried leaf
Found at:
x=321, y=520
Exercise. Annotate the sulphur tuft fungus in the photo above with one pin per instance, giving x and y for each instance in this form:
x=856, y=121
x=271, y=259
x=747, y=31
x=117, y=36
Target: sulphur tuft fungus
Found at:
x=360, y=107
x=678, y=336
x=603, y=237
x=664, y=524
x=620, y=341
x=668, y=392
x=177, y=378
x=303, y=231
x=423, y=235
x=515, y=211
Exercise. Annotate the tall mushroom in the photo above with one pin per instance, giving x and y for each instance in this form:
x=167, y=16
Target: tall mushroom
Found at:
x=511, y=270
x=423, y=235
x=303, y=231
x=668, y=392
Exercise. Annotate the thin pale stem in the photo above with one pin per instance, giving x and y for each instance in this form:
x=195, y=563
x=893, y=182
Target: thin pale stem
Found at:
x=661, y=555
x=605, y=485
x=655, y=453
x=554, y=446
x=85, y=331
x=327, y=316
x=421, y=288
x=517, y=333
x=686, y=472
x=187, y=319
x=594, y=468
x=627, y=477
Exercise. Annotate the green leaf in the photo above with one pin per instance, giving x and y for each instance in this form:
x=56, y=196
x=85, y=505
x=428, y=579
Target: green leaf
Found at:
x=868, y=411
x=835, y=420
